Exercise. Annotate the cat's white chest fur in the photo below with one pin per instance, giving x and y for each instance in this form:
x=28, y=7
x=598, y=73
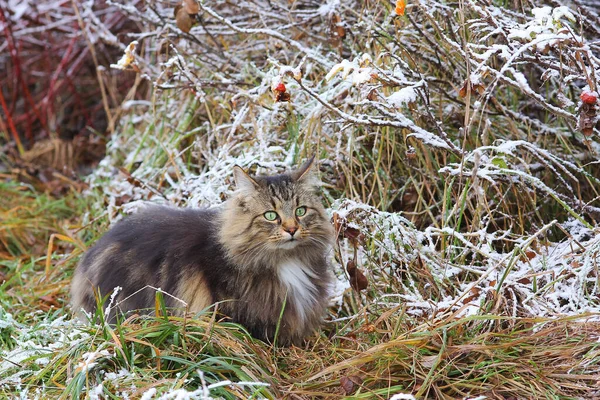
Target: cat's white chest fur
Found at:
x=301, y=291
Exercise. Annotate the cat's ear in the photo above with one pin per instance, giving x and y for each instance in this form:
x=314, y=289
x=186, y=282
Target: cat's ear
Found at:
x=306, y=173
x=243, y=181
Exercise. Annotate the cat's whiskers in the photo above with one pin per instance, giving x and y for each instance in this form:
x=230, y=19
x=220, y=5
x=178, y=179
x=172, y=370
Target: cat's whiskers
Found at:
x=318, y=241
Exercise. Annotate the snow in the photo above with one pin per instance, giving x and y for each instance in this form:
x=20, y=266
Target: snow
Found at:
x=90, y=360
x=402, y=97
x=567, y=296
x=202, y=393
x=18, y=8
x=356, y=70
x=128, y=57
x=96, y=392
x=546, y=26
x=328, y=7
x=403, y=396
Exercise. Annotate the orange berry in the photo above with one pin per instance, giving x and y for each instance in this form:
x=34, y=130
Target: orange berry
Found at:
x=400, y=6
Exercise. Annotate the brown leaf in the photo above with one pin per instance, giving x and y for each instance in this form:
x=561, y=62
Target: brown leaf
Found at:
x=369, y=328
x=475, y=292
x=587, y=119
x=49, y=301
x=354, y=235
x=475, y=88
x=525, y=281
x=337, y=222
x=350, y=383
x=183, y=19
x=191, y=6
x=372, y=96
x=336, y=30
x=281, y=96
x=351, y=267
x=358, y=280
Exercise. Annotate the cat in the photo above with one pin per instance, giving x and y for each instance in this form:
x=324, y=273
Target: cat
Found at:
x=265, y=249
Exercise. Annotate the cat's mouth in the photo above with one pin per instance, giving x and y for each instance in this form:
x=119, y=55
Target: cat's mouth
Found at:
x=289, y=244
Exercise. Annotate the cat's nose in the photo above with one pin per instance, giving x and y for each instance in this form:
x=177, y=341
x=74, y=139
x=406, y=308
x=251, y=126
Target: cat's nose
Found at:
x=291, y=230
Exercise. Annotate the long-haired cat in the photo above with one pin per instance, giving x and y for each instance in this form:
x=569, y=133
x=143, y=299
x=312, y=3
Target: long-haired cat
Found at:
x=264, y=251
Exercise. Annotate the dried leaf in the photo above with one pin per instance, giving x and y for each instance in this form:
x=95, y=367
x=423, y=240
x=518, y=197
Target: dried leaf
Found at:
x=475, y=292
x=48, y=302
x=282, y=96
x=354, y=235
x=350, y=383
x=351, y=267
x=587, y=119
x=191, y=6
x=372, y=96
x=336, y=30
x=358, y=281
x=429, y=361
x=347, y=385
x=183, y=19
x=475, y=88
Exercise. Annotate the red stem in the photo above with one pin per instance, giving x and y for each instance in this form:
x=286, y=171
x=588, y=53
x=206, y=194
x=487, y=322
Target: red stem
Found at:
x=13, y=131
x=14, y=54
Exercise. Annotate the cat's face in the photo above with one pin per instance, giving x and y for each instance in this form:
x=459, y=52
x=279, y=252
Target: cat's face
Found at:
x=276, y=213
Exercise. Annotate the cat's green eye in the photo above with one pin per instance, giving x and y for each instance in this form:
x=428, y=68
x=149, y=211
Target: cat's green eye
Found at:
x=300, y=211
x=270, y=215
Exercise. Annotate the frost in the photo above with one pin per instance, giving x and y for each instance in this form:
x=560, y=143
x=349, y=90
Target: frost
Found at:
x=202, y=393
x=149, y=394
x=6, y=319
x=90, y=360
x=111, y=302
x=402, y=396
x=96, y=392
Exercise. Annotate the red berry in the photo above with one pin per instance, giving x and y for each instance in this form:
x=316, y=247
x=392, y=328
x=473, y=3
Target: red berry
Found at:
x=280, y=87
x=589, y=97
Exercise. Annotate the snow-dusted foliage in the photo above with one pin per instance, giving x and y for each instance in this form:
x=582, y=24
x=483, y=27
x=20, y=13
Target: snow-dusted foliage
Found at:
x=490, y=107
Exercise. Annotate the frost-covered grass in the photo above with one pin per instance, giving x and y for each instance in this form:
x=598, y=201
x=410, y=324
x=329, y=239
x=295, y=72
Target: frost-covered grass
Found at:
x=457, y=169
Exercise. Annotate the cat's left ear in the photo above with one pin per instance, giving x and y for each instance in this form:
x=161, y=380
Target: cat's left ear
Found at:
x=306, y=173
x=243, y=181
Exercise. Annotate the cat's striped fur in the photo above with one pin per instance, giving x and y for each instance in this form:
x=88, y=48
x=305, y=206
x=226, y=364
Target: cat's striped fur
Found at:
x=234, y=255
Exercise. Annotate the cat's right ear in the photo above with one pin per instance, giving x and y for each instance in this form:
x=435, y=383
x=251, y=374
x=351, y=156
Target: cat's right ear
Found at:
x=243, y=181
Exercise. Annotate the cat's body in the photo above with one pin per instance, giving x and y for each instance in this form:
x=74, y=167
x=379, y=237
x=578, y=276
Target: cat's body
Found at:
x=235, y=255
